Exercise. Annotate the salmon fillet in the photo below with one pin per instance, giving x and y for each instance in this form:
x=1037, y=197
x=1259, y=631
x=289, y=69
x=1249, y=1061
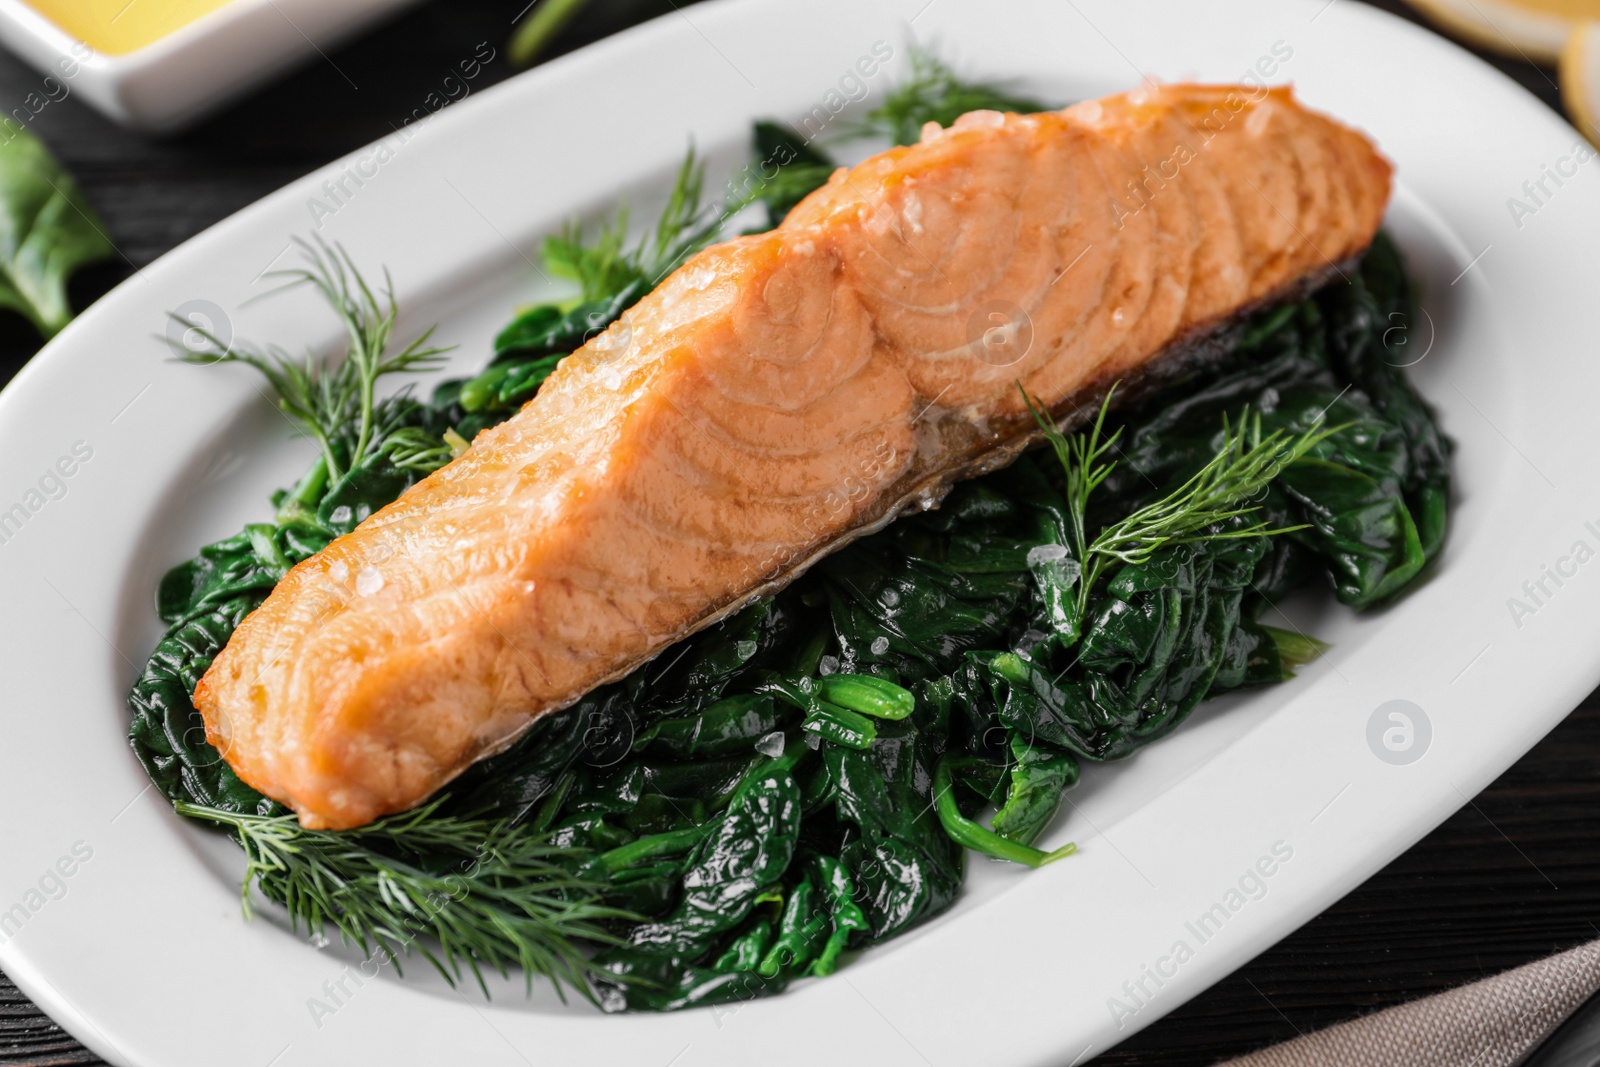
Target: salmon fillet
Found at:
x=776, y=397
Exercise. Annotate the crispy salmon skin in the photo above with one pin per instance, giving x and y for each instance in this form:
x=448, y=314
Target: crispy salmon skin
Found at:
x=777, y=396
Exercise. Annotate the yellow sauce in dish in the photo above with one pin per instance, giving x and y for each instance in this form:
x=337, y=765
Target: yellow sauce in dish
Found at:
x=117, y=27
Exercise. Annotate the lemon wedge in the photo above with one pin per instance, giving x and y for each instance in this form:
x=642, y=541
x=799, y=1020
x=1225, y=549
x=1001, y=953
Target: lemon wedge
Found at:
x=1529, y=29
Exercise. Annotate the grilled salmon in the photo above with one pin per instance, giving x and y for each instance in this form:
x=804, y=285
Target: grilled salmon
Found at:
x=776, y=397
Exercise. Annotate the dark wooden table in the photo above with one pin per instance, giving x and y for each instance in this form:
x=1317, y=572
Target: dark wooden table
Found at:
x=1508, y=879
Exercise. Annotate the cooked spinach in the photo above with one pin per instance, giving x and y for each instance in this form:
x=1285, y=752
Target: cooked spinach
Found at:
x=785, y=170
x=804, y=779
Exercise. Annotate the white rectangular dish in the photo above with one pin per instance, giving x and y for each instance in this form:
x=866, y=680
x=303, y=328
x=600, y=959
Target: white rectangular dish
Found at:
x=188, y=73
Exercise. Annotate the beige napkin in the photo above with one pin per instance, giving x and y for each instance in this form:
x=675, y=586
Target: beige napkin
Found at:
x=1492, y=1023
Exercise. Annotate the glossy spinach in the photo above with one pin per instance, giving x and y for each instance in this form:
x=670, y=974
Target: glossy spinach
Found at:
x=804, y=779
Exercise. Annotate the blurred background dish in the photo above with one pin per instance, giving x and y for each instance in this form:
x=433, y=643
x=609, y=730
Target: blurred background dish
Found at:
x=158, y=65
x=1533, y=30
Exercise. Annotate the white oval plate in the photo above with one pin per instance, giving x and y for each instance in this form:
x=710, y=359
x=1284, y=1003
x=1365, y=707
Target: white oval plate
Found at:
x=123, y=922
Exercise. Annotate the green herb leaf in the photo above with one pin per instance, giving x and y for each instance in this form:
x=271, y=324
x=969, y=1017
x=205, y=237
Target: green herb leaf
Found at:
x=603, y=265
x=47, y=231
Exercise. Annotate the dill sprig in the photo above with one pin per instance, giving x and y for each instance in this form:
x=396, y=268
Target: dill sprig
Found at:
x=1201, y=509
x=603, y=266
x=461, y=892
x=335, y=402
x=600, y=266
x=935, y=93
x=684, y=227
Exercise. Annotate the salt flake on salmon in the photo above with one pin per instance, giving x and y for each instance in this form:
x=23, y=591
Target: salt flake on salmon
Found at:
x=776, y=397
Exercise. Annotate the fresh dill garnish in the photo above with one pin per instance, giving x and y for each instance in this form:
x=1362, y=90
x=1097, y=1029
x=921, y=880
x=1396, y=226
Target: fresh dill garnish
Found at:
x=684, y=227
x=603, y=266
x=599, y=266
x=935, y=93
x=1201, y=509
x=464, y=893
x=335, y=402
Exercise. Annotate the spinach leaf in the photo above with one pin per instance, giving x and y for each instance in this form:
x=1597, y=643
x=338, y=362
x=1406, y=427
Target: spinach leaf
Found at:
x=785, y=170
x=838, y=892
x=1039, y=777
x=47, y=231
x=167, y=732
x=743, y=857
x=547, y=329
x=1373, y=494
x=905, y=867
